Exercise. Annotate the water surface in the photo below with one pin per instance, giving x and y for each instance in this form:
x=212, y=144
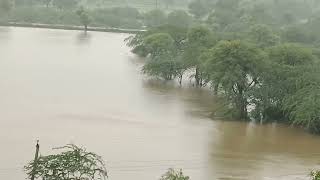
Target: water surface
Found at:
x=67, y=87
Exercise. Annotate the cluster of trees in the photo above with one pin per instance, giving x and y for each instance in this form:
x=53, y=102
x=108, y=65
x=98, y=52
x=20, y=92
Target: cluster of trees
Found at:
x=263, y=69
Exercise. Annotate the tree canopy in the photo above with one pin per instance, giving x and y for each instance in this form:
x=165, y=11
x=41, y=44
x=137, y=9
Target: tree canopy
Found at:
x=72, y=163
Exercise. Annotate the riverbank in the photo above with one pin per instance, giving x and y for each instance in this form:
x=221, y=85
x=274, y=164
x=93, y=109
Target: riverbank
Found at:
x=69, y=27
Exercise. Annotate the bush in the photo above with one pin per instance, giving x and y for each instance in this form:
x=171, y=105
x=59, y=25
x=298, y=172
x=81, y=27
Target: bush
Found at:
x=72, y=163
x=174, y=175
x=315, y=175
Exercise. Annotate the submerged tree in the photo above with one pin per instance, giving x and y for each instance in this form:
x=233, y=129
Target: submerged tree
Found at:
x=234, y=66
x=282, y=77
x=72, y=163
x=84, y=17
x=172, y=174
x=199, y=40
x=164, y=58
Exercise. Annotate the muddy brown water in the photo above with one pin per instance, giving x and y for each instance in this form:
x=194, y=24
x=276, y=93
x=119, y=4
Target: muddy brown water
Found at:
x=66, y=87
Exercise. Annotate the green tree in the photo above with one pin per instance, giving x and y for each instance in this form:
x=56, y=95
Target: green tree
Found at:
x=263, y=36
x=72, y=163
x=199, y=40
x=298, y=34
x=279, y=80
x=291, y=55
x=172, y=174
x=137, y=42
x=165, y=45
x=235, y=67
x=163, y=61
x=304, y=107
x=164, y=66
x=84, y=17
x=159, y=44
x=179, y=18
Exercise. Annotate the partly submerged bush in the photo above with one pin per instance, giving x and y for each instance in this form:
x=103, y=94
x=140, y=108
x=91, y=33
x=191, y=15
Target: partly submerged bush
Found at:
x=315, y=175
x=172, y=174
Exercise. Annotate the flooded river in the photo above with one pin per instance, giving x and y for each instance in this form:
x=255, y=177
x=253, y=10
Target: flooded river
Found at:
x=66, y=87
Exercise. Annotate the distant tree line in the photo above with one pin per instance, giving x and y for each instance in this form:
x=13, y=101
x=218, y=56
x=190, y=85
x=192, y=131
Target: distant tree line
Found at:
x=66, y=12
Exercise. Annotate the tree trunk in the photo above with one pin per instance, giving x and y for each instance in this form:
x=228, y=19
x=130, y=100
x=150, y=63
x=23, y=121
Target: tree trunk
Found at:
x=215, y=89
x=180, y=79
x=241, y=103
x=243, y=114
x=197, y=77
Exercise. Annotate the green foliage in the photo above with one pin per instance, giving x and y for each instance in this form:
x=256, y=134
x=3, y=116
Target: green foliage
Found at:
x=291, y=55
x=179, y=18
x=43, y=15
x=84, y=17
x=164, y=66
x=121, y=17
x=174, y=175
x=199, y=40
x=304, y=107
x=302, y=104
x=280, y=79
x=126, y=12
x=263, y=36
x=315, y=175
x=137, y=42
x=235, y=67
x=164, y=61
x=72, y=163
x=297, y=34
x=159, y=44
